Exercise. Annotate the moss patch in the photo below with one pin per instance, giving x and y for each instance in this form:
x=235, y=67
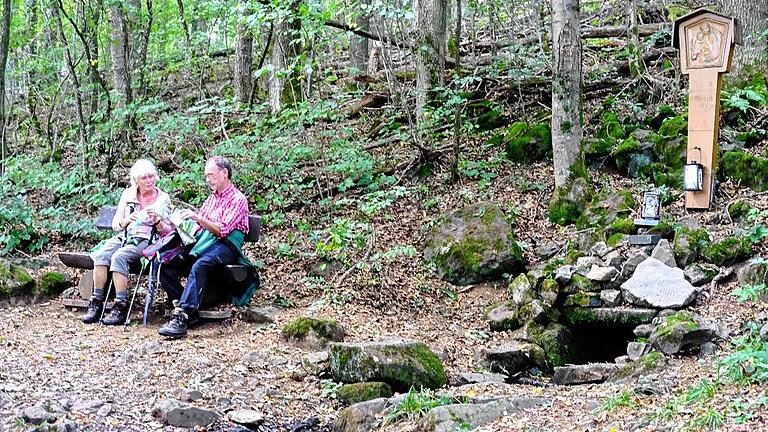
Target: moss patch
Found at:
x=621, y=226
x=14, y=280
x=739, y=210
x=360, y=392
x=614, y=239
x=679, y=319
x=749, y=170
x=727, y=251
x=525, y=142
x=324, y=328
x=53, y=283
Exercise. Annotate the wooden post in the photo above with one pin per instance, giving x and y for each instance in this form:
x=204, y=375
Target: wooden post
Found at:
x=705, y=40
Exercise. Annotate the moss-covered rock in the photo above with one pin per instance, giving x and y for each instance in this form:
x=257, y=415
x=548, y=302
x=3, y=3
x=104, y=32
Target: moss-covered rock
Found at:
x=614, y=239
x=607, y=316
x=664, y=112
x=488, y=114
x=14, y=280
x=313, y=332
x=568, y=203
x=503, y=316
x=749, y=170
x=473, y=244
x=738, y=210
x=350, y=394
x=622, y=225
x=53, y=283
x=525, y=142
x=401, y=364
x=580, y=283
x=688, y=244
x=680, y=331
x=663, y=175
x=522, y=290
x=648, y=363
x=727, y=251
x=556, y=342
x=538, y=312
x=584, y=299
x=605, y=208
x=548, y=291
x=674, y=127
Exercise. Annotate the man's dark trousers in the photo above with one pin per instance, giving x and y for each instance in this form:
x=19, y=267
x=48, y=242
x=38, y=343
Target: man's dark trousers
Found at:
x=196, y=269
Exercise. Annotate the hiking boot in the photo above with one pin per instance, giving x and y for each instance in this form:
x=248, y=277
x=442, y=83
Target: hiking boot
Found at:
x=176, y=327
x=117, y=315
x=95, y=308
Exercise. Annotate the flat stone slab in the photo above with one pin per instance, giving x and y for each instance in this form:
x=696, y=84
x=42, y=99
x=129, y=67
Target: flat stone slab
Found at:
x=609, y=316
x=465, y=378
x=644, y=239
x=468, y=416
x=656, y=285
x=584, y=374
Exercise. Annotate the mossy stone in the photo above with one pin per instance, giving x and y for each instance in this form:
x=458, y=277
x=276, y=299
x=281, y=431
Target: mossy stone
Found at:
x=549, y=291
x=665, y=112
x=614, y=239
x=401, y=364
x=621, y=226
x=688, y=244
x=53, y=283
x=610, y=126
x=739, y=210
x=683, y=319
x=673, y=127
x=350, y=394
x=727, y=251
x=662, y=175
x=555, y=340
x=315, y=331
x=749, y=170
x=14, y=280
x=525, y=143
x=581, y=283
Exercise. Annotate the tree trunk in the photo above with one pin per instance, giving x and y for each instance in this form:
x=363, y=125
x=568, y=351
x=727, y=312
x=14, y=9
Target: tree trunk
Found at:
x=753, y=18
x=430, y=50
x=5, y=36
x=566, y=88
x=636, y=65
x=243, y=56
x=119, y=49
x=283, y=84
x=358, y=45
x=457, y=114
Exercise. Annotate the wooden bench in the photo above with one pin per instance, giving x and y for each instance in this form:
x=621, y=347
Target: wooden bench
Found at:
x=228, y=275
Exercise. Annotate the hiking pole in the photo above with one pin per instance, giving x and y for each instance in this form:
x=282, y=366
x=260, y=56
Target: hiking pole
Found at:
x=133, y=297
x=154, y=281
x=106, y=297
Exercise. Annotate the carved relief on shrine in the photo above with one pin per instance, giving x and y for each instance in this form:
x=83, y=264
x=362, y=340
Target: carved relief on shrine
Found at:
x=705, y=39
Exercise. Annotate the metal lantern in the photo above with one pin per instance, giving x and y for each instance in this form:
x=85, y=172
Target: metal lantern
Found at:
x=693, y=175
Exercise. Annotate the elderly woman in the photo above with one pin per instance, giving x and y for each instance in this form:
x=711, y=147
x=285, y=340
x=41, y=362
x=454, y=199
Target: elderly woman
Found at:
x=142, y=206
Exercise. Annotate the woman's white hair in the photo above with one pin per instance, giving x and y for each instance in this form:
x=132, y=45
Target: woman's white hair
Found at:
x=141, y=168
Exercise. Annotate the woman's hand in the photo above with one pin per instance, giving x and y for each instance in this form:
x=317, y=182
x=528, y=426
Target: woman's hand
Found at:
x=129, y=220
x=153, y=215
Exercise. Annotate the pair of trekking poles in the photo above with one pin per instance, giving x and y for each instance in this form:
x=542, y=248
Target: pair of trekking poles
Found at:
x=154, y=279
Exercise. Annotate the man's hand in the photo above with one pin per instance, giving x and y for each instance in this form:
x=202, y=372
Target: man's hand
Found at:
x=189, y=214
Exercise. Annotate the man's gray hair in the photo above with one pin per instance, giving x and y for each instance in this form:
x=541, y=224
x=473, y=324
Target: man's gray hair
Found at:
x=222, y=163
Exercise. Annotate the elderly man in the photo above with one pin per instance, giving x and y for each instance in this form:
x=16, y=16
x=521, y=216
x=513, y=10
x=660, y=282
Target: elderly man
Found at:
x=223, y=225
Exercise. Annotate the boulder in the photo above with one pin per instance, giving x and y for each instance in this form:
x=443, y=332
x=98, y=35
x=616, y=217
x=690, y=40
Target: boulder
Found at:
x=656, y=285
x=313, y=333
x=634, y=260
x=468, y=416
x=175, y=413
x=360, y=417
x=260, y=315
x=648, y=363
x=512, y=357
x=635, y=350
x=584, y=264
x=564, y=274
x=401, y=364
x=664, y=253
x=522, y=290
x=246, y=417
x=584, y=299
x=556, y=342
x=538, y=312
x=682, y=331
x=547, y=250
x=700, y=274
x=549, y=291
x=503, y=317
x=614, y=259
x=755, y=272
x=727, y=251
x=316, y=363
x=590, y=373
x=602, y=274
x=610, y=297
x=600, y=249
x=465, y=378
x=580, y=283
x=14, y=280
x=350, y=394
x=643, y=330
x=473, y=244
x=39, y=413
x=687, y=244
x=53, y=283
